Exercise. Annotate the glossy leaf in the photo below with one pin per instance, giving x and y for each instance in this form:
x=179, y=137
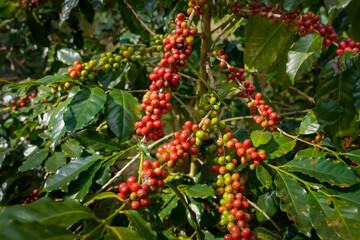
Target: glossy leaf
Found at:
x=309, y=125
x=293, y=201
x=95, y=140
x=259, y=137
x=310, y=152
x=34, y=231
x=142, y=226
x=345, y=220
x=269, y=204
x=72, y=148
x=122, y=111
x=57, y=124
x=328, y=112
x=263, y=41
x=278, y=146
x=264, y=177
x=68, y=55
x=67, y=6
x=352, y=198
x=83, y=107
x=325, y=170
x=319, y=211
x=55, y=161
x=302, y=55
x=340, y=88
x=200, y=191
x=171, y=202
x=102, y=196
x=263, y=233
x=290, y=5
x=122, y=233
x=69, y=172
x=34, y=160
x=50, y=79
x=223, y=89
x=354, y=156
x=47, y=211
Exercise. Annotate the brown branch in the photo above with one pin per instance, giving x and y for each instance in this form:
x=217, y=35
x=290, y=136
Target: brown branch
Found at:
x=100, y=126
x=250, y=117
x=138, y=18
x=265, y=214
x=211, y=76
x=184, y=105
x=301, y=93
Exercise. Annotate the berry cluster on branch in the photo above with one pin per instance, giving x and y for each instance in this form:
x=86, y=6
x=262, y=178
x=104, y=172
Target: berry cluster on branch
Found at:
x=33, y=3
x=32, y=197
x=22, y=101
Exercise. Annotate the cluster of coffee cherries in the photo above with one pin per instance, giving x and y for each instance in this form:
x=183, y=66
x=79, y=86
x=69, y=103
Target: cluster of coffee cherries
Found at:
x=23, y=100
x=267, y=118
x=32, y=197
x=198, y=8
x=223, y=7
x=348, y=45
x=155, y=105
x=157, y=41
x=177, y=152
x=233, y=206
x=177, y=46
x=136, y=195
x=115, y=62
x=33, y=3
x=308, y=23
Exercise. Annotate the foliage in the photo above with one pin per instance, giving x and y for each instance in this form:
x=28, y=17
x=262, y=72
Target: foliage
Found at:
x=74, y=137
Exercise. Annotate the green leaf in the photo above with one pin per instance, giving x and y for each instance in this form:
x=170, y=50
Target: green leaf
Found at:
x=68, y=55
x=309, y=125
x=34, y=160
x=34, y=231
x=278, y=146
x=50, y=79
x=95, y=140
x=259, y=137
x=354, y=156
x=263, y=233
x=356, y=96
x=311, y=152
x=340, y=88
x=223, y=89
x=345, y=220
x=122, y=233
x=328, y=112
x=122, y=111
x=69, y=172
x=264, y=177
x=67, y=6
x=269, y=204
x=142, y=226
x=352, y=198
x=57, y=124
x=324, y=170
x=200, y=191
x=72, y=148
x=102, y=196
x=80, y=187
x=293, y=201
x=170, y=203
x=302, y=55
x=55, y=161
x=319, y=211
x=47, y=211
x=83, y=108
x=263, y=41
x=290, y=5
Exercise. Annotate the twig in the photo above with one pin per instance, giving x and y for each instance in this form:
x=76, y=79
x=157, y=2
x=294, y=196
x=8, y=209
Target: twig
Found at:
x=135, y=91
x=138, y=18
x=250, y=117
x=301, y=93
x=183, y=104
x=222, y=25
x=182, y=95
x=100, y=125
x=265, y=214
x=191, y=17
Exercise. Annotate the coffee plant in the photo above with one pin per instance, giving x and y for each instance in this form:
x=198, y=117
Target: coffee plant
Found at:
x=200, y=119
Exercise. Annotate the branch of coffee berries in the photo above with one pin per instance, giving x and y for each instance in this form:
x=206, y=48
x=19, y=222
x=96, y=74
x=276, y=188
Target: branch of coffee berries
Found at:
x=304, y=24
x=268, y=119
